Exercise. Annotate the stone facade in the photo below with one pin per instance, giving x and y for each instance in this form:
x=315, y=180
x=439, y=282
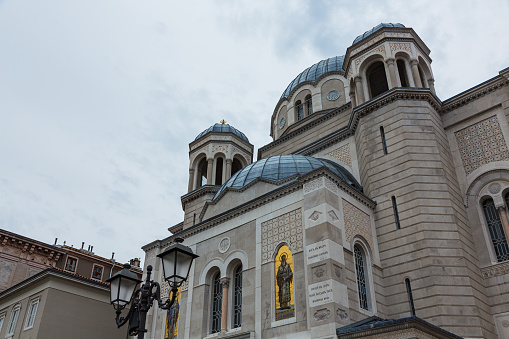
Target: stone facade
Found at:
x=405, y=221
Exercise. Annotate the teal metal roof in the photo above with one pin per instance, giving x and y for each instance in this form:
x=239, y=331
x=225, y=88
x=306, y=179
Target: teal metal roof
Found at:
x=374, y=29
x=223, y=128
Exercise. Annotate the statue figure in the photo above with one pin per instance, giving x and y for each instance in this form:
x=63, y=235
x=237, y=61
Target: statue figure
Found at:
x=284, y=278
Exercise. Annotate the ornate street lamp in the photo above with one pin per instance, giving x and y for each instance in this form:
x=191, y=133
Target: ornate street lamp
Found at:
x=177, y=260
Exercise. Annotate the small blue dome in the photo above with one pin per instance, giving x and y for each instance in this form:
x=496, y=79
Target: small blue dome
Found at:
x=284, y=166
x=314, y=72
x=374, y=29
x=223, y=128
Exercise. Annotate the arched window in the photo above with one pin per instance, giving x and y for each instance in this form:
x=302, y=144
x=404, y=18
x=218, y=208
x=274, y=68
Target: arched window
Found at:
x=377, y=80
x=236, y=166
x=496, y=230
x=309, y=105
x=402, y=73
x=219, y=171
x=299, y=110
x=237, y=297
x=202, y=173
x=362, y=280
x=217, y=299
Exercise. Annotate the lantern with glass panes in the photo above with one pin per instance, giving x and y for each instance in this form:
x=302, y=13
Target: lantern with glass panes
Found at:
x=177, y=260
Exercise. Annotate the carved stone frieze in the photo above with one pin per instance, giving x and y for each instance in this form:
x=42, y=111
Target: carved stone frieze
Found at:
x=286, y=228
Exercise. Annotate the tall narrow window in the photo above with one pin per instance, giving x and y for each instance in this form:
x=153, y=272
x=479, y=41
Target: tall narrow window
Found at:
x=237, y=298
x=362, y=285
x=309, y=105
x=2, y=319
x=219, y=171
x=217, y=300
x=496, y=230
x=410, y=297
x=396, y=215
x=13, y=320
x=202, y=173
x=236, y=166
x=32, y=311
x=70, y=264
x=402, y=73
x=382, y=135
x=299, y=109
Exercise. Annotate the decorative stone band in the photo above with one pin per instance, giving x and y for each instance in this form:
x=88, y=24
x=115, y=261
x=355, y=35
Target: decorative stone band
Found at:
x=495, y=270
x=474, y=93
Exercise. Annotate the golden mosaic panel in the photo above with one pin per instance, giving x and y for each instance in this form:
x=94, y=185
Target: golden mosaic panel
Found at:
x=285, y=228
x=357, y=222
x=481, y=143
x=342, y=154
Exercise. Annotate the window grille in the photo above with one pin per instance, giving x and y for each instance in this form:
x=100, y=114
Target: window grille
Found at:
x=2, y=319
x=32, y=311
x=496, y=230
x=13, y=320
x=237, y=298
x=217, y=299
x=361, y=277
x=300, y=111
x=309, y=106
x=70, y=264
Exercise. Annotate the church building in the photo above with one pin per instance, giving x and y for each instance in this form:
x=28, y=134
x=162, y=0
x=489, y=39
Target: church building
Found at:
x=377, y=211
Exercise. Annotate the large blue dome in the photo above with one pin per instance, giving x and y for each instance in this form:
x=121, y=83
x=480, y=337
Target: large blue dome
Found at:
x=284, y=166
x=314, y=72
x=374, y=29
x=223, y=128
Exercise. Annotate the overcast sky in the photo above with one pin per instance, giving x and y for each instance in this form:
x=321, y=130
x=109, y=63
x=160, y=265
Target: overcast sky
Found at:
x=99, y=99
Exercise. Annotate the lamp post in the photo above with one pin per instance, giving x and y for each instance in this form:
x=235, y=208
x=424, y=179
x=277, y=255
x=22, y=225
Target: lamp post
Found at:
x=177, y=260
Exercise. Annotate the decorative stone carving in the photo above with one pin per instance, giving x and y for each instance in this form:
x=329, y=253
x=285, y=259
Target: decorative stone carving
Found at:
x=184, y=286
x=315, y=215
x=342, y=154
x=341, y=314
x=481, y=143
x=150, y=254
x=333, y=216
x=505, y=323
x=285, y=228
x=331, y=185
x=224, y=245
x=333, y=95
x=400, y=47
x=495, y=270
x=220, y=148
x=337, y=271
x=322, y=314
x=319, y=271
x=357, y=222
x=312, y=185
x=494, y=188
x=380, y=49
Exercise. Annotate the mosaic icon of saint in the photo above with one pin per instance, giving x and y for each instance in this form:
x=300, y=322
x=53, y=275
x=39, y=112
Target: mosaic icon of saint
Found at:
x=172, y=320
x=284, y=278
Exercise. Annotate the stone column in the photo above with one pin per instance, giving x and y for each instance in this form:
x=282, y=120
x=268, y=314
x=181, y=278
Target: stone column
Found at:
x=505, y=221
x=190, y=186
x=415, y=73
x=352, y=98
x=225, y=282
x=210, y=166
x=431, y=84
x=359, y=89
x=392, y=73
x=228, y=169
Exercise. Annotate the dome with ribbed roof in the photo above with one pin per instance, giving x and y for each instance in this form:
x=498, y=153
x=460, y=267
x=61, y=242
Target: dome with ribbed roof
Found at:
x=223, y=128
x=376, y=28
x=314, y=72
x=284, y=166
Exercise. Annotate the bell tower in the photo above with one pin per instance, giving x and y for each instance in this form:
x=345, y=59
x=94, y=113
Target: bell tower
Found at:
x=215, y=155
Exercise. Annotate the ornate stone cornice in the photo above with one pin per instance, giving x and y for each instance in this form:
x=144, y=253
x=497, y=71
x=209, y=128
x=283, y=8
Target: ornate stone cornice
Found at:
x=31, y=246
x=199, y=192
x=365, y=109
x=305, y=127
x=474, y=93
x=495, y=270
x=411, y=325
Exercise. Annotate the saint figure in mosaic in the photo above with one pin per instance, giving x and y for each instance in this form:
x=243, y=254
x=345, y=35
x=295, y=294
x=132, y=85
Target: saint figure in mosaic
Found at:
x=284, y=279
x=172, y=317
